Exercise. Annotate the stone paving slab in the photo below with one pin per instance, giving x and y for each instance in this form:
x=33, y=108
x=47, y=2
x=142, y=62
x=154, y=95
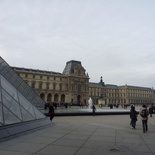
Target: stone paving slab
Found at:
x=85, y=135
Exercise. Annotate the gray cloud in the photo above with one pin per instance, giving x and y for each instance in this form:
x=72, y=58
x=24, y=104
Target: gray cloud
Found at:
x=113, y=39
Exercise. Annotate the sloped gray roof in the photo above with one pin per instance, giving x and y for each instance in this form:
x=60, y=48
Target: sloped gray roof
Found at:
x=95, y=85
x=111, y=86
x=135, y=87
x=35, y=70
x=70, y=65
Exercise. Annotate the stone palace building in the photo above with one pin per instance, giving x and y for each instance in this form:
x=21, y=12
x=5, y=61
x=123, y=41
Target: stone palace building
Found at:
x=73, y=86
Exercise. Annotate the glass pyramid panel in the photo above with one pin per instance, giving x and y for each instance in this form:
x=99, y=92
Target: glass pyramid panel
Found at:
x=1, y=115
x=11, y=104
x=17, y=99
x=27, y=106
x=26, y=115
x=15, y=80
x=28, y=92
x=9, y=117
x=5, y=69
x=37, y=112
x=9, y=88
x=0, y=93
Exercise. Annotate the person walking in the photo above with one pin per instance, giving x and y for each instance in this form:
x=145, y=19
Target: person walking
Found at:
x=144, y=116
x=51, y=112
x=94, y=109
x=151, y=110
x=133, y=117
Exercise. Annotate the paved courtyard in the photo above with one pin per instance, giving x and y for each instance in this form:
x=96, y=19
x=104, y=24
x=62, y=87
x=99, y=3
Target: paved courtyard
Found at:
x=85, y=135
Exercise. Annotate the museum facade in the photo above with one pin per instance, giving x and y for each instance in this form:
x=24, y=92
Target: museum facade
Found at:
x=73, y=87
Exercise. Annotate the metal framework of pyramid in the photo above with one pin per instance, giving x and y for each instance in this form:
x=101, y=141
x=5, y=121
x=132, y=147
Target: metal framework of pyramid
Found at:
x=19, y=104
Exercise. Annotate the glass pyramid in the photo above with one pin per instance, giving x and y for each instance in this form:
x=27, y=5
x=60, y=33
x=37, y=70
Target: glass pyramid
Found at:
x=19, y=103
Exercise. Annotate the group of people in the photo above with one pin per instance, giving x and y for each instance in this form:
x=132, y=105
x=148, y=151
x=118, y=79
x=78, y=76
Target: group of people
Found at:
x=144, y=113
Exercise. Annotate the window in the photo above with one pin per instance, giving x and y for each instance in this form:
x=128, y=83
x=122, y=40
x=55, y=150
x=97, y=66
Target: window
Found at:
x=66, y=87
x=79, y=88
x=47, y=86
x=33, y=84
x=53, y=86
x=60, y=87
x=40, y=85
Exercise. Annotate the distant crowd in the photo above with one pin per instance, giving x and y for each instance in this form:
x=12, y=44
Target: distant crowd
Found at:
x=144, y=112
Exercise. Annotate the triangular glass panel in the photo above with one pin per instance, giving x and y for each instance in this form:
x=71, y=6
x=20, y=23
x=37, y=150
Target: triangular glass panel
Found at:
x=11, y=104
x=38, y=114
x=25, y=103
x=26, y=115
x=9, y=117
x=1, y=115
x=9, y=88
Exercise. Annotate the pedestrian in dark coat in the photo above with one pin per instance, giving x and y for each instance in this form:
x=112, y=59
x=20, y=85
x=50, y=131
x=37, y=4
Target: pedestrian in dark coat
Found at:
x=133, y=117
x=51, y=112
x=94, y=109
x=151, y=110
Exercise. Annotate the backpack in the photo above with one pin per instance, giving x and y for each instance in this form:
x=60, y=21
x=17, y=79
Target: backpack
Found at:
x=133, y=114
x=143, y=113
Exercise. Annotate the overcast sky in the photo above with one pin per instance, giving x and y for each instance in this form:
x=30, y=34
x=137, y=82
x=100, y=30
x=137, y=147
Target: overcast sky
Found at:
x=114, y=39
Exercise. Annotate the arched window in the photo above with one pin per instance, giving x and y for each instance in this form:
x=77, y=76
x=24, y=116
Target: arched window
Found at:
x=62, y=98
x=56, y=97
x=49, y=97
